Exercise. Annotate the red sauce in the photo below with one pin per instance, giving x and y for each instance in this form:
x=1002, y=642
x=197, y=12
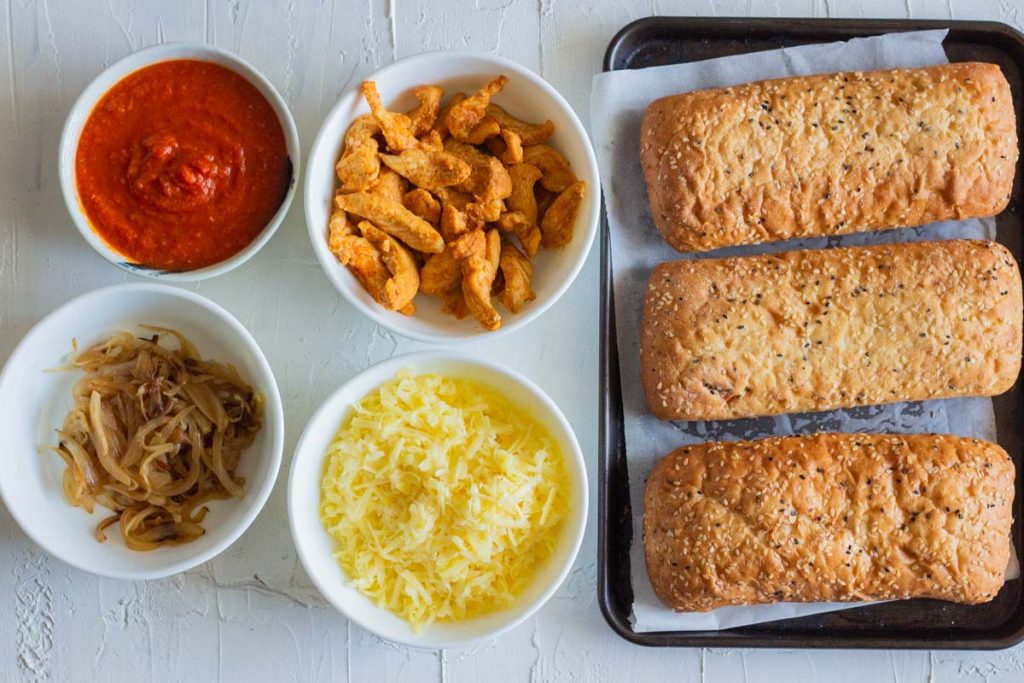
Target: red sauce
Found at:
x=181, y=165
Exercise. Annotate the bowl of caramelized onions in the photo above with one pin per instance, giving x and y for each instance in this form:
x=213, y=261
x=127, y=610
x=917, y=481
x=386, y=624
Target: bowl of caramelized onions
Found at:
x=144, y=431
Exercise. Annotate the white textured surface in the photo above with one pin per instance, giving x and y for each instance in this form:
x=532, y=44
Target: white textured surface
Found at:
x=251, y=614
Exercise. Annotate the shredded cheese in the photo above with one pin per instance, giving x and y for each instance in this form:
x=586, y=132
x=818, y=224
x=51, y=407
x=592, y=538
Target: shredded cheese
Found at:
x=443, y=498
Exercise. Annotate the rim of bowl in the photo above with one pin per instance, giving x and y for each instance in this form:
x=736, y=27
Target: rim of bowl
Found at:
x=82, y=109
x=381, y=316
x=580, y=487
x=275, y=411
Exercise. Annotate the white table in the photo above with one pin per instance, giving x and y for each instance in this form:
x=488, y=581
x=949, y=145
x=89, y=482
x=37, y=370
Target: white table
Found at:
x=251, y=614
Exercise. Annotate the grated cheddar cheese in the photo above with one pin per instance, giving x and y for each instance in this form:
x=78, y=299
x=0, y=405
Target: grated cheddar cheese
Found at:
x=443, y=498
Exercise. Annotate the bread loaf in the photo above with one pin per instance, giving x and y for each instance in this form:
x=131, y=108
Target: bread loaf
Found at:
x=829, y=154
x=829, y=517
x=816, y=330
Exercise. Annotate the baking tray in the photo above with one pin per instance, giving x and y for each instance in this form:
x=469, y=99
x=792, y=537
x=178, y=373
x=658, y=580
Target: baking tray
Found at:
x=910, y=624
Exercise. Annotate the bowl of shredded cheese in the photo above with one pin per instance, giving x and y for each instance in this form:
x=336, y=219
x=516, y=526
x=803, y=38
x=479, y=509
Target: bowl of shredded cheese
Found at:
x=438, y=500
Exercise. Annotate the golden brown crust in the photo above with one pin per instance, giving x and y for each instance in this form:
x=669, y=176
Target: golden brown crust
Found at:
x=816, y=330
x=829, y=517
x=829, y=154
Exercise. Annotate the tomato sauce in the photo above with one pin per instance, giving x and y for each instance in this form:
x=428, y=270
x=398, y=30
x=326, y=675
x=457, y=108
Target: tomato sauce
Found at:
x=181, y=165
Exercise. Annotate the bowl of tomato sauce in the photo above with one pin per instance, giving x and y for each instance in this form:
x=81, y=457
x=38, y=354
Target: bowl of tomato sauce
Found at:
x=179, y=162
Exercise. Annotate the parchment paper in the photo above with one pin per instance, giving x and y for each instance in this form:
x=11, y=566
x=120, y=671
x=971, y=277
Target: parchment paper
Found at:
x=617, y=104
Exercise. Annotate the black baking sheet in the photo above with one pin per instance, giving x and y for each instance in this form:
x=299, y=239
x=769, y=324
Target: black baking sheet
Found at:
x=911, y=624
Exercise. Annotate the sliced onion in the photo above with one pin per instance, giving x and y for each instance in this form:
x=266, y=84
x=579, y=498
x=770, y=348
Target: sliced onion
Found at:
x=156, y=472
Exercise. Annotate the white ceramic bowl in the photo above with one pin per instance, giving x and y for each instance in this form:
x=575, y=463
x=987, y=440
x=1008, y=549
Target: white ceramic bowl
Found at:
x=33, y=402
x=106, y=80
x=315, y=546
x=527, y=96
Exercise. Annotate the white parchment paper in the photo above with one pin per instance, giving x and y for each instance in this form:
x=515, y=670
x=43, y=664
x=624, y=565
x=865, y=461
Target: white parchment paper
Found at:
x=617, y=104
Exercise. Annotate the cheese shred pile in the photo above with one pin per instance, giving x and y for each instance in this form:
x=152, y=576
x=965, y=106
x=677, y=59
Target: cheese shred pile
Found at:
x=443, y=498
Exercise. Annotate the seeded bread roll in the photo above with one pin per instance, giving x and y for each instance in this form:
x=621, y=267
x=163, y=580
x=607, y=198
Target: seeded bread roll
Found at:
x=829, y=517
x=829, y=154
x=834, y=328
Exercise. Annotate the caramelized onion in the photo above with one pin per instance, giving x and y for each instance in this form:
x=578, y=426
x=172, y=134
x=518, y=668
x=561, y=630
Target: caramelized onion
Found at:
x=156, y=433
